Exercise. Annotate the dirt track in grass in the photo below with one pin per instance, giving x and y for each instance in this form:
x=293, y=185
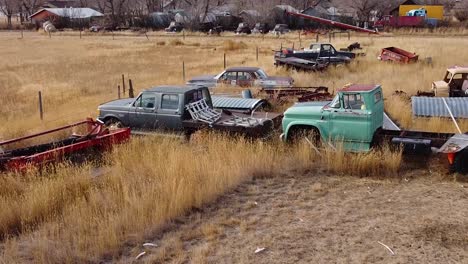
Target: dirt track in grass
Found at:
x=316, y=218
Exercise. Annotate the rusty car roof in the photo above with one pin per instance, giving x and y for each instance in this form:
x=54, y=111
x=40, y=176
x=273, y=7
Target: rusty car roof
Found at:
x=174, y=88
x=358, y=88
x=242, y=68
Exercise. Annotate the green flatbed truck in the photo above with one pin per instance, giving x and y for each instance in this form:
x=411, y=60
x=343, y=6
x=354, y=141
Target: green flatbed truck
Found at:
x=356, y=118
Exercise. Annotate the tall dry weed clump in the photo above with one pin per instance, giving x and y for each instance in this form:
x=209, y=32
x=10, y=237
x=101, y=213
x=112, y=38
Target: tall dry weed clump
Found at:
x=383, y=161
x=230, y=45
x=70, y=216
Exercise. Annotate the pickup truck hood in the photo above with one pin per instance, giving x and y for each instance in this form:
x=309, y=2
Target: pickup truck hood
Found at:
x=307, y=110
x=119, y=102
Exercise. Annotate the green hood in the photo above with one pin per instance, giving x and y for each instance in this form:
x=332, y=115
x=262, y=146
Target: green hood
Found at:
x=307, y=110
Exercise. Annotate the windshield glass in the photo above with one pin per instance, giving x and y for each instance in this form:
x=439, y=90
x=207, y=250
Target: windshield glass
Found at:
x=336, y=102
x=262, y=74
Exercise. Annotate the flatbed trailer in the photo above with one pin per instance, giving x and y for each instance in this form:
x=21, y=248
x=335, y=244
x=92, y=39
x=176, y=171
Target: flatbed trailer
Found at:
x=356, y=118
x=34, y=155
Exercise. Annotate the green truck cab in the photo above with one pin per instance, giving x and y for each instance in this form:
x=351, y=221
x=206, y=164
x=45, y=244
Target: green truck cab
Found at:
x=352, y=117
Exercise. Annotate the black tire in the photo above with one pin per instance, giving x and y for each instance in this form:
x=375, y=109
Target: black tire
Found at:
x=301, y=134
x=113, y=123
x=460, y=163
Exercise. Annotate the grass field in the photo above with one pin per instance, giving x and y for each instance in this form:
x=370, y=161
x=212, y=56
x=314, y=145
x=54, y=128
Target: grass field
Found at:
x=69, y=215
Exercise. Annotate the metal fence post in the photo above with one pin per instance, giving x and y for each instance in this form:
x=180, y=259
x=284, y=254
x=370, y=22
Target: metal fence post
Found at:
x=41, y=110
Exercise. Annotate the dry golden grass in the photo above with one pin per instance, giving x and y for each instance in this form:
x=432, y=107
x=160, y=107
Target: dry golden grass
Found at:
x=71, y=216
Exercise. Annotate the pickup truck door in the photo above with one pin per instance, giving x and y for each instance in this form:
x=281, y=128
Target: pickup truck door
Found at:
x=143, y=112
x=350, y=122
x=170, y=112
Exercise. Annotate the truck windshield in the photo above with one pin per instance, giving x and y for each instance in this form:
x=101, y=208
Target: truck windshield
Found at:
x=336, y=102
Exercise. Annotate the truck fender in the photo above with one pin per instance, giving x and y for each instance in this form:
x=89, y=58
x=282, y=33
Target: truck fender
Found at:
x=109, y=116
x=303, y=124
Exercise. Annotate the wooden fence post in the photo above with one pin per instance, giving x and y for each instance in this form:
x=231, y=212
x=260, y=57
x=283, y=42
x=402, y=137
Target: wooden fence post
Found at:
x=349, y=35
x=22, y=36
x=257, y=53
x=224, y=60
x=41, y=110
x=112, y=35
x=123, y=84
x=146, y=34
x=317, y=37
x=183, y=70
x=80, y=33
x=118, y=90
x=183, y=34
x=130, y=89
x=50, y=35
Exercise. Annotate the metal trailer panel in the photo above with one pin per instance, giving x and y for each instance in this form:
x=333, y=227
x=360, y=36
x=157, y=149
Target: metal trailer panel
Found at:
x=388, y=123
x=435, y=107
x=235, y=103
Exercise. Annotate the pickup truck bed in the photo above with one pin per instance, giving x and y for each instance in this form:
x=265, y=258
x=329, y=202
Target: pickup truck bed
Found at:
x=226, y=123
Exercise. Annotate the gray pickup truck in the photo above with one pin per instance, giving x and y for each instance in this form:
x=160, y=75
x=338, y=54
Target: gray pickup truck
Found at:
x=181, y=109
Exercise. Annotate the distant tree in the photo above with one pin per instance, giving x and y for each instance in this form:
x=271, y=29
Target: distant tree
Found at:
x=365, y=9
x=28, y=7
x=8, y=8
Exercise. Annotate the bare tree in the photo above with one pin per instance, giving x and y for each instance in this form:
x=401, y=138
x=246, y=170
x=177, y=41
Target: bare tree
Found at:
x=365, y=8
x=462, y=12
x=30, y=6
x=8, y=8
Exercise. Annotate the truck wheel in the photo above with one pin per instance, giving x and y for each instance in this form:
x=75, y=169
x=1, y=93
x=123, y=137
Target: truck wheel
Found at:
x=308, y=134
x=460, y=163
x=113, y=123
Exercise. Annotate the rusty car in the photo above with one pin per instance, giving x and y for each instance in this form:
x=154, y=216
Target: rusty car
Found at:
x=243, y=77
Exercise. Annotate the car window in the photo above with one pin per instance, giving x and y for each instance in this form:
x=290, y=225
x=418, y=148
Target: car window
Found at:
x=328, y=49
x=170, y=101
x=354, y=101
x=262, y=74
x=336, y=102
x=244, y=76
x=315, y=48
x=457, y=76
x=229, y=76
x=377, y=97
x=146, y=100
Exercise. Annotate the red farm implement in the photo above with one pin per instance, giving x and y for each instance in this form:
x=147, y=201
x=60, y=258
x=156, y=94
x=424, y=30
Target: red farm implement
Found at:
x=20, y=153
x=397, y=55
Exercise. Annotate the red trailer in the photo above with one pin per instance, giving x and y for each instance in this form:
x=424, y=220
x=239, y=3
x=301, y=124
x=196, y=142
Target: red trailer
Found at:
x=397, y=55
x=24, y=152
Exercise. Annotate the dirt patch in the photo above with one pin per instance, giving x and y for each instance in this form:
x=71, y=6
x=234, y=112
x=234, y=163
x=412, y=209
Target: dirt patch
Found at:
x=323, y=219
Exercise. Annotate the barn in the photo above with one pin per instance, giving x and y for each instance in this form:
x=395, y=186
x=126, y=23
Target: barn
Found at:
x=65, y=17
